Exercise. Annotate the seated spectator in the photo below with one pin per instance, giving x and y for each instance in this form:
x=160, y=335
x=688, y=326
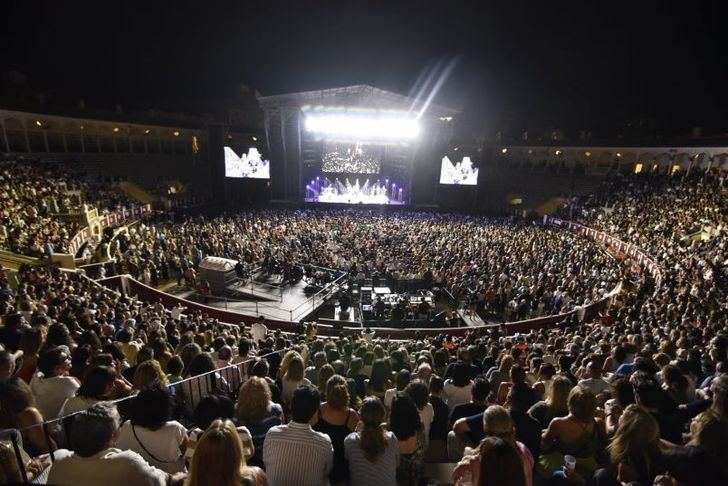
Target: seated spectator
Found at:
x=401, y=382
x=555, y=404
x=579, y=434
x=405, y=423
x=622, y=395
x=440, y=426
x=149, y=374
x=419, y=394
x=708, y=430
x=313, y=450
x=477, y=404
x=379, y=379
x=152, y=434
x=650, y=396
x=337, y=421
x=51, y=385
x=372, y=452
x=95, y=460
x=256, y=411
x=211, y=408
x=98, y=385
x=18, y=411
x=595, y=382
x=457, y=388
x=496, y=424
x=219, y=459
x=528, y=429
x=30, y=344
x=634, y=451
x=293, y=377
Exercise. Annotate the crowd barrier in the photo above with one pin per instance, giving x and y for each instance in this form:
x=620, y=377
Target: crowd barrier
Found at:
x=188, y=392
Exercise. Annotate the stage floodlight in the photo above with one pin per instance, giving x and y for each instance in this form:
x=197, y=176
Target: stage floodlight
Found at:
x=377, y=126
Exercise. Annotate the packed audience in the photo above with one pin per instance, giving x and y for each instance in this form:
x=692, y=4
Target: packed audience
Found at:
x=637, y=395
x=507, y=269
x=37, y=200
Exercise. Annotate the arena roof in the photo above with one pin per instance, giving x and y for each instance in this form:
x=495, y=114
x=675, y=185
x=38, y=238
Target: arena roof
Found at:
x=358, y=95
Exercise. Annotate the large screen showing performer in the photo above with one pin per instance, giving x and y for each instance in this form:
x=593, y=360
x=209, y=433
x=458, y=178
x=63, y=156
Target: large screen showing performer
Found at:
x=351, y=158
x=461, y=173
x=248, y=166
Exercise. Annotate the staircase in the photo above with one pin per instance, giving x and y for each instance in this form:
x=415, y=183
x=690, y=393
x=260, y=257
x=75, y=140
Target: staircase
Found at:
x=137, y=193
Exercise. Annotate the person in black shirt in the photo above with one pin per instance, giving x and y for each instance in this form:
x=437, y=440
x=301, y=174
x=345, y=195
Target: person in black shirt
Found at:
x=437, y=452
x=10, y=333
x=528, y=429
x=379, y=308
x=479, y=393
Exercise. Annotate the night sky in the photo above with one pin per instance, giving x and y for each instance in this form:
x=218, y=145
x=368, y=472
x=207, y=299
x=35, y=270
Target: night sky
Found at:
x=585, y=63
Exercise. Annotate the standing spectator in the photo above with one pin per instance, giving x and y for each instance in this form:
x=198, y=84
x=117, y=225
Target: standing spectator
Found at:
x=295, y=453
x=259, y=330
x=595, y=382
x=337, y=421
x=373, y=453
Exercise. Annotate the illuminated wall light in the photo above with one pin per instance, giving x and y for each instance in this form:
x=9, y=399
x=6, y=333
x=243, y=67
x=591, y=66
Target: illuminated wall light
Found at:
x=446, y=118
x=39, y=123
x=456, y=149
x=675, y=168
x=175, y=133
x=116, y=129
x=255, y=139
x=81, y=127
x=588, y=154
x=229, y=137
x=558, y=152
x=619, y=154
x=504, y=151
x=637, y=168
x=147, y=131
x=530, y=151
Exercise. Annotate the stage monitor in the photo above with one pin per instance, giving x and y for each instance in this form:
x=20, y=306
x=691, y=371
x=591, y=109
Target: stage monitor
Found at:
x=351, y=158
x=248, y=166
x=462, y=173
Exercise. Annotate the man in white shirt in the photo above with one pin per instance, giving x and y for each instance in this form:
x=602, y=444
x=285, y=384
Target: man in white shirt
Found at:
x=595, y=382
x=94, y=460
x=295, y=453
x=258, y=330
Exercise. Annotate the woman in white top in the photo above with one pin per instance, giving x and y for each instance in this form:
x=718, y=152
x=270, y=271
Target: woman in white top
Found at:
x=457, y=388
x=51, y=385
x=151, y=433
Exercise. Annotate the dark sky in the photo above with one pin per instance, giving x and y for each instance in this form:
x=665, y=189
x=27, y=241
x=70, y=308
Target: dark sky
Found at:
x=589, y=62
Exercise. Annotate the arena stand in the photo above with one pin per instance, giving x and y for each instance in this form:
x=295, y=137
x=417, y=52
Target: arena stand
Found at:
x=664, y=326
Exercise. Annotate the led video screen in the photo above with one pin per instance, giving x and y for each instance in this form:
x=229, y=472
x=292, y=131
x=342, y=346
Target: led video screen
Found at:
x=248, y=166
x=461, y=173
x=351, y=158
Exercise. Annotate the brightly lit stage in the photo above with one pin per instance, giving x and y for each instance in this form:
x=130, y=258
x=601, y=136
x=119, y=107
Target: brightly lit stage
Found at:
x=389, y=142
x=352, y=191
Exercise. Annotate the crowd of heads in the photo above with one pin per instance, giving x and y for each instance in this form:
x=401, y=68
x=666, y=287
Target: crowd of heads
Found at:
x=636, y=394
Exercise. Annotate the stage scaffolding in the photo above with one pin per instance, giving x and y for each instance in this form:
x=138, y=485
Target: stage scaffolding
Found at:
x=285, y=140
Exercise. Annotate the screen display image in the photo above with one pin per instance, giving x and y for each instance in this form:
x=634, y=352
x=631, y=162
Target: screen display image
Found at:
x=248, y=166
x=351, y=158
x=461, y=173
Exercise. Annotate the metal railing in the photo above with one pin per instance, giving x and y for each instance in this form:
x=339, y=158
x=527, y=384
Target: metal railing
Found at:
x=226, y=380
